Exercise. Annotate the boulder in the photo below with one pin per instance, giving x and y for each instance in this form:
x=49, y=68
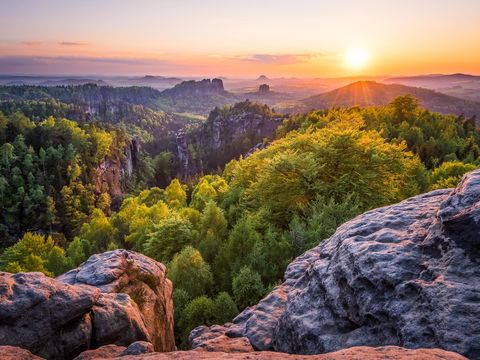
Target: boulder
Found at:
x=405, y=275
x=113, y=351
x=214, y=339
x=354, y=353
x=138, y=348
x=15, y=353
x=142, y=279
x=117, y=297
x=103, y=352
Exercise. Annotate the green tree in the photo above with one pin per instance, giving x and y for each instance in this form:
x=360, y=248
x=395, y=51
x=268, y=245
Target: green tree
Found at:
x=404, y=107
x=200, y=311
x=449, y=174
x=168, y=238
x=98, y=233
x=224, y=308
x=203, y=193
x=32, y=253
x=213, y=230
x=78, y=251
x=180, y=301
x=56, y=261
x=175, y=194
x=188, y=271
x=247, y=287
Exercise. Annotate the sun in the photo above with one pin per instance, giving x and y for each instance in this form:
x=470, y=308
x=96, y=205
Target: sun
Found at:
x=356, y=58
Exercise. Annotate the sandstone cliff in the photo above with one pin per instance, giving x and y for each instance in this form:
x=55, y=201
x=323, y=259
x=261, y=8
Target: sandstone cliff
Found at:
x=112, y=173
x=406, y=275
x=117, y=297
x=227, y=134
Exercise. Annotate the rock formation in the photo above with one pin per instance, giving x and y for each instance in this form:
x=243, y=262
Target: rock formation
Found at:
x=192, y=88
x=117, y=297
x=361, y=352
x=15, y=353
x=112, y=173
x=263, y=89
x=227, y=134
x=405, y=275
x=113, y=351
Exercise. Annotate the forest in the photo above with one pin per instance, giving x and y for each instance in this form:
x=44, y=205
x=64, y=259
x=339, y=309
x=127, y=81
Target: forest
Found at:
x=226, y=235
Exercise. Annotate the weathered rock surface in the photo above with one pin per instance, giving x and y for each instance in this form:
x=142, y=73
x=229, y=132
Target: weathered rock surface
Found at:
x=226, y=135
x=117, y=297
x=406, y=275
x=112, y=173
x=113, y=351
x=214, y=339
x=356, y=353
x=103, y=352
x=15, y=353
x=137, y=348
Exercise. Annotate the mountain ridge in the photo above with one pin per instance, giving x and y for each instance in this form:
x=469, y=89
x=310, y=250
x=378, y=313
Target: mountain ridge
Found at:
x=372, y=93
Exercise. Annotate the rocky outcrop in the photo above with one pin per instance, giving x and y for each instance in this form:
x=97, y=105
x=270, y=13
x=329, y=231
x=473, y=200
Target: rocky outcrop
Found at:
x=195, y=88
x=214, y=339
x=142, y=279
x=354, y=353
x=117, y=297
x=264, y=89
x=227, y=134
x=112, y=173
x=406, y=275
x=113, y=351
x=15, y=353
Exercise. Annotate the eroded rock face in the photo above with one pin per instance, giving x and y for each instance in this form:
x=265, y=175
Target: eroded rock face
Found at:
x=406, y=275
x=354, y=353
x=15, y=353
x=142, y=279
x=225, y=135
x=381, y=353
x=114, y=351
x=117, y=297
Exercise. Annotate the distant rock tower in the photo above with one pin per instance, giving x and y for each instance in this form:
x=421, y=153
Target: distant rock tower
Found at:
x=217, y=85
x=264, y=88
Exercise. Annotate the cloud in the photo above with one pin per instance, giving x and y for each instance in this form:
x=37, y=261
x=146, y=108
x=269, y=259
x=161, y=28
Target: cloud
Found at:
x=72, y=43
x=35, y=60
x=31, y=43
x=74, y=64
x=280, y=59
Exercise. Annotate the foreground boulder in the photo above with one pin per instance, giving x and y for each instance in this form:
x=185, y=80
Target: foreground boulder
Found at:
x=406, y=275
x=355, y=353
x=113, y=351
x=15, y=353
x=117, y=297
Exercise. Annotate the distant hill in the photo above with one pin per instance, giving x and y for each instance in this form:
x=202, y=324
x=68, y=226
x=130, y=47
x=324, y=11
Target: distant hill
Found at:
x=433, y=81
x=73, y=82
x=156, y=82
x=368, y=93
x=464, y=86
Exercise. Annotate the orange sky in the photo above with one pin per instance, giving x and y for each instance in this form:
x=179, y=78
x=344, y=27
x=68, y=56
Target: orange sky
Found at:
x=308, y=38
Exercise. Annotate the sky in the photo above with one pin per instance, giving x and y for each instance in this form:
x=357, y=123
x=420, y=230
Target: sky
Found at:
x=239, y=38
